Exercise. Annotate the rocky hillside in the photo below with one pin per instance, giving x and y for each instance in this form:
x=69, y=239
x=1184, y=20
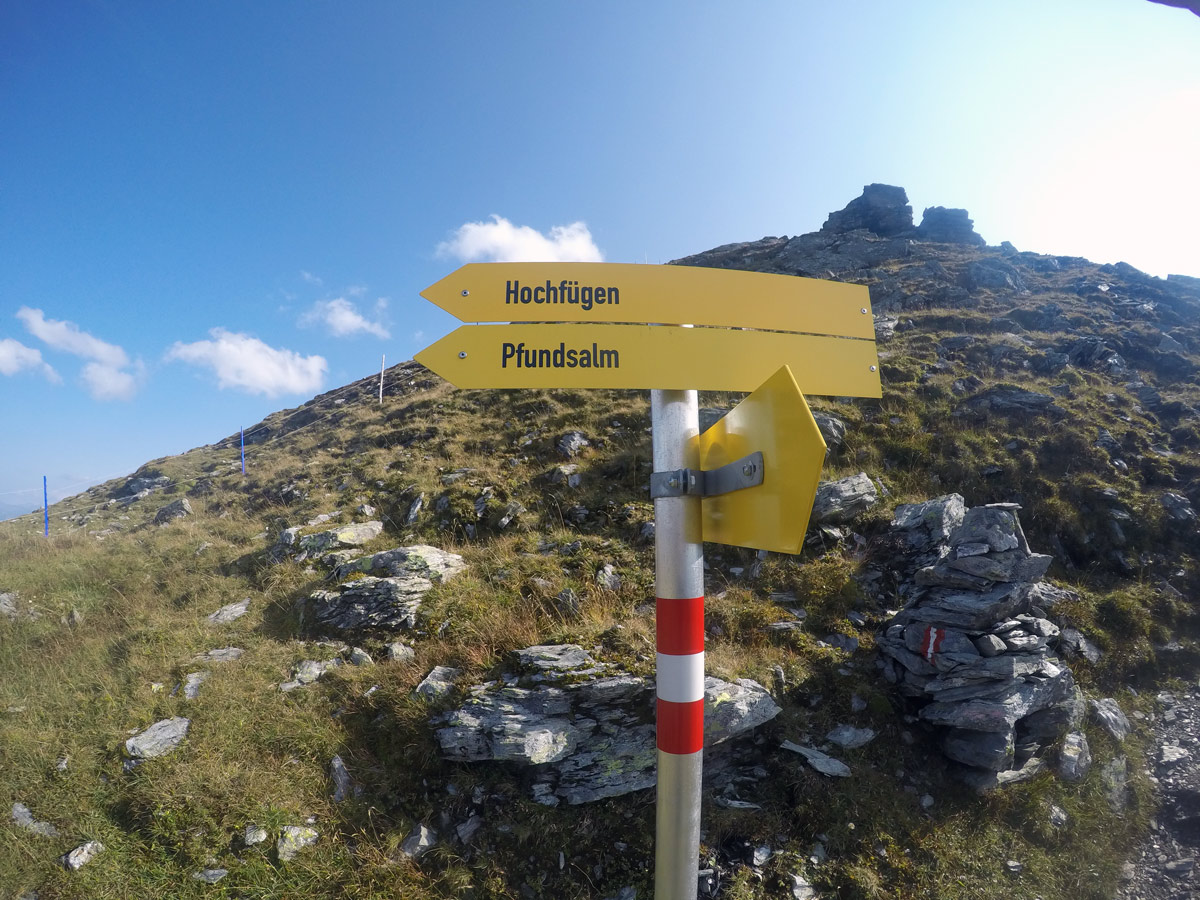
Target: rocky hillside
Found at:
x=411, y=651
x=1084, y=376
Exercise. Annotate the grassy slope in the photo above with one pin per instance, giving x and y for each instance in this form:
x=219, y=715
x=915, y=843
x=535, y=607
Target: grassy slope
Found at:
x=121, y=615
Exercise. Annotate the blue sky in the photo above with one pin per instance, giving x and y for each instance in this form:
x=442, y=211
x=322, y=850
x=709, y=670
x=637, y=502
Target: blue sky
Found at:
x=211, y=211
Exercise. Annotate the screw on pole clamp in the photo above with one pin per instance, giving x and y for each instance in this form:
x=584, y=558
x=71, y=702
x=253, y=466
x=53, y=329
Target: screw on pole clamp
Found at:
x=738, y=475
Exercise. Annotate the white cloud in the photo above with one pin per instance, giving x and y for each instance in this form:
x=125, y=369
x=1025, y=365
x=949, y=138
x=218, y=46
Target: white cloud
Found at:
x=15, y=357
x=310, y=277
x=501, y=241
x=105, y=382
x=246, y=363
x=105, y=374
x=343, y=319
x=67, y=336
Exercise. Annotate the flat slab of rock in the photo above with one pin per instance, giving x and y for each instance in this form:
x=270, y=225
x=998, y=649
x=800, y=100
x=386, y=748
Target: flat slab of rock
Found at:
x=390, y=595
x=368, y=603
x=549, y=657
x=223, y=654
x=24, y=819
x=353, y=535
x=1007, y=399
x=848, y=737
x=159, y=739
x=823, y=763
x=295, y=544
x=430, y=563
x=309, y=671
x=230, y=613
x=590, y=738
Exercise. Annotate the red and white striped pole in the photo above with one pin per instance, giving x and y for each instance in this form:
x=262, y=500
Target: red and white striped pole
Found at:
x=679, y=623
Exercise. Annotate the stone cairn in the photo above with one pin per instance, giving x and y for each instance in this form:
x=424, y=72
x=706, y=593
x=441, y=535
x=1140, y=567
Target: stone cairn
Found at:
x=974, y=642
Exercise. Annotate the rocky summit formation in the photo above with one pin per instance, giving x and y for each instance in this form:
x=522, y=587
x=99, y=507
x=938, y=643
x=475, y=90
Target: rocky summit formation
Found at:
x=948, y=226
x=881, y=209
x=973, y=644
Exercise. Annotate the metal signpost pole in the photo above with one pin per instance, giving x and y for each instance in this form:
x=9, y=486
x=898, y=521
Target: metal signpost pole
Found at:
x=679, y=589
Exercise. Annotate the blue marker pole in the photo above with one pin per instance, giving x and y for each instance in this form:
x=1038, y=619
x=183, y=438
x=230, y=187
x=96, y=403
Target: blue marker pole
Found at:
x=46, y=507
x=243, y=431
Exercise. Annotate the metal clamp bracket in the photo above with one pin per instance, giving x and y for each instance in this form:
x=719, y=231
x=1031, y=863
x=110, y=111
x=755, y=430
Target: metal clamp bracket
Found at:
x=738, y=475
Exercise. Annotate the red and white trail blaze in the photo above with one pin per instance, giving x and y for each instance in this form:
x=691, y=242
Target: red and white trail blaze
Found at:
x=932, y=642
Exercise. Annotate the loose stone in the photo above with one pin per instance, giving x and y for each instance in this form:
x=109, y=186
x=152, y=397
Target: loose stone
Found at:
x=438, y=683
x=82, y=855
x=398, y=651
x=160, y=738
x=294, y=839
x=1075, y=758
x=419, y=842
x=24, y=819
x=225, y=654
x=343, y=784
x=826, y=765
x=1109, y=715
x=230, y=613
x=848, y=737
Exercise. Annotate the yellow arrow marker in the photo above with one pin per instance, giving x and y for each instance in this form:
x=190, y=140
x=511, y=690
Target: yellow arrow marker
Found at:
x=649, y=356
x=776, y=421
x=668, y=295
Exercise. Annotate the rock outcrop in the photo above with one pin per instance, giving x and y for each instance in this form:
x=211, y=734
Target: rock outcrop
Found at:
x=948, y=226
x=176, y=509
x=882, y=209
x=299, y=544
x=158, y=740
x=587, y=732
x=973, y=644
x=389, y=598
x=837, y=502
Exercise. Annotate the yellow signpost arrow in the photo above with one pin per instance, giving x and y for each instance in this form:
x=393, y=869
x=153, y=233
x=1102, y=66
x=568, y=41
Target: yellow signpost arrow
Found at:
x=668, y=295
x=775, y=421
x=649, y=356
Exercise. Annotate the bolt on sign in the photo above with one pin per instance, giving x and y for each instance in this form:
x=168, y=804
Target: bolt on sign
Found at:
x=750, y=480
